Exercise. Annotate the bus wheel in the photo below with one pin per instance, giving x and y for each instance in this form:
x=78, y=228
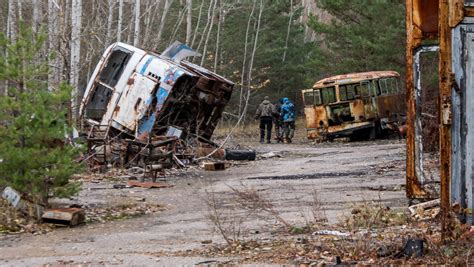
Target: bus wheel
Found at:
x=375, y=132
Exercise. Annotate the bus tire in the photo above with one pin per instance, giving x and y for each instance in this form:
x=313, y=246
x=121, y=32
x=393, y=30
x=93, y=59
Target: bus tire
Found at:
x=373, y=133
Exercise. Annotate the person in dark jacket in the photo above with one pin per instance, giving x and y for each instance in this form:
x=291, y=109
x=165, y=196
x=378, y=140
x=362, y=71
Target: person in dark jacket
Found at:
x=288, y=115
x=265, y=112
x=278, y=121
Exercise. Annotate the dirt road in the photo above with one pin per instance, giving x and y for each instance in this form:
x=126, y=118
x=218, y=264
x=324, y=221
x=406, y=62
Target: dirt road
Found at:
x=340, y=173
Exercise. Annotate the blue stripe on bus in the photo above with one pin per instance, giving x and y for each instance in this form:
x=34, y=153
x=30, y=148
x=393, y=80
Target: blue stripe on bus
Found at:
x=142, y=72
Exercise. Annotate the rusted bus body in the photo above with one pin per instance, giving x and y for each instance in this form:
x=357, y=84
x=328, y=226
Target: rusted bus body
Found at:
x=345, y=105
x=450, y=25
x=141, y=94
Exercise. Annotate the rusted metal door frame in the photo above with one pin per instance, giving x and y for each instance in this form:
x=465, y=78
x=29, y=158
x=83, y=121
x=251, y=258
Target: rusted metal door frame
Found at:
x=414, y=40
x=418, y=109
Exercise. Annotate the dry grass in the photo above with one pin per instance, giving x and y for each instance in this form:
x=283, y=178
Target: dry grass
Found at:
x=227, y=220
x=251, y=130
x=370, y=215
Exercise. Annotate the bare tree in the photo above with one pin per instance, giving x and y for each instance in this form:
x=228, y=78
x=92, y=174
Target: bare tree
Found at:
x=252, y=57
x=242, y=79
x=219, y=23
x=119, y=21
x=205, y=27
x=20, y=13
x=197, y=24
x=76, y=23
x=150, y=16
x=290, y=21
x=204, y=50
x=36, y=15
x=53, y=44
x=110, y=17
x=136, y=34
x=177, y=25
x=166, y=8
x=189, y=21
x=11, y=20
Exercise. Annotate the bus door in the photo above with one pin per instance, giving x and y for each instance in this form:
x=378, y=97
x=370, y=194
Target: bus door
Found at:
x=315, y=114
x=369, y=95
x=363, y=101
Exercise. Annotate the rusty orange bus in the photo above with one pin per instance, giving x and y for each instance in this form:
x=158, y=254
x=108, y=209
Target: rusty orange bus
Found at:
x=354, y=105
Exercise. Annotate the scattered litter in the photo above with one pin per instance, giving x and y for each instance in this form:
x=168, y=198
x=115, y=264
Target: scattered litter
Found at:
x=214, y=166
x=12, y=196
x=426, y=210
x=121, y=186
x=270, y=155
x=413, y=247
x=64, y=216
x=331, y=232
x=148, y=184
x=386, y=188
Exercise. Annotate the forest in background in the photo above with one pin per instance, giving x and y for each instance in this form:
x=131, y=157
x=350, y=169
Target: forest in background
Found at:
x=267, y=47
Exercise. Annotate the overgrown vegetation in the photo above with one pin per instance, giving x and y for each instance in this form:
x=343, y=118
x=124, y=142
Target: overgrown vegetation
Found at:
x=371, y=234
x=34, y=158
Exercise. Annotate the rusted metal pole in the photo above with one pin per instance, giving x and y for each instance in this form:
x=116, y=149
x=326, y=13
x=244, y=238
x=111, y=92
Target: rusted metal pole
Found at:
x=445, y=68
x=414, y=37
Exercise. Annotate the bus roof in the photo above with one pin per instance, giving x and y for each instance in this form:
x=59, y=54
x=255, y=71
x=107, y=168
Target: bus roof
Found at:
x=354, y=77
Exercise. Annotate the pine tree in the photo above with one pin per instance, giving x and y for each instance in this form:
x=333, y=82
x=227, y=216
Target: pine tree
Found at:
x=33, y=123
x=362, y=36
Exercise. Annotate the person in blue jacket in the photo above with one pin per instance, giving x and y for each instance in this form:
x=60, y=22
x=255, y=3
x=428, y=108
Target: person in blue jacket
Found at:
x=288, y=115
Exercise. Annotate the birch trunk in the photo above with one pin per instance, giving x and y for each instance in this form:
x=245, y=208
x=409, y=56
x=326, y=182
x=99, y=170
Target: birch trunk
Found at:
x=151, y=11
x=242, y=79
x=63, y=38
x=53, y=44
x=36, y=15
x=162, y=22
x=177, y=25
x=189, y=21
x=20, y=12
x=204, y=51
x=288, y=31
x=76, y=23
x=136, y=34
x=216, y=56
x=197, y=24
x=205, y=27
x=252, y=57
x=110, y=17
x=119, y=21
x=11, y=21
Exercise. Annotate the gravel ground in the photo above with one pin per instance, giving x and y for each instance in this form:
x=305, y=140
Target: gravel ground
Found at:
x=341, y=173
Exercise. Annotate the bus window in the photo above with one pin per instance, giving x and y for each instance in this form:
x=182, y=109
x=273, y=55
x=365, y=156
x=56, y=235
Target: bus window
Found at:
x=374, y=88
x=343, y=92
x=114, y=66
x=328, y=95
x=309, y=98
x=364, y=89
x=317, y=97
x=383, y=86
x=393, y=85
x=397, y=88
x=347, y=92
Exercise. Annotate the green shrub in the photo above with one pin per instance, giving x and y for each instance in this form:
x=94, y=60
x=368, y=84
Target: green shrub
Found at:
x=34, y=159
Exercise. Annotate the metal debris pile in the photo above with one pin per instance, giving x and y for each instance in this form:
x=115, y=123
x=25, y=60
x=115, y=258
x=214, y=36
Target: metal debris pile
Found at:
x=153, y=111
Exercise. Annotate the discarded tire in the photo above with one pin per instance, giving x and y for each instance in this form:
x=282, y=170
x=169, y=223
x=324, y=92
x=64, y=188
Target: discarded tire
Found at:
x=240, y=154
